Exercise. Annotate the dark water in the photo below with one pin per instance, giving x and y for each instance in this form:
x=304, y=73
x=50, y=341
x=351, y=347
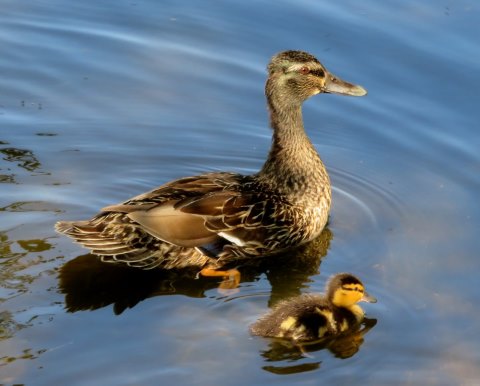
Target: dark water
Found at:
x=104, y=100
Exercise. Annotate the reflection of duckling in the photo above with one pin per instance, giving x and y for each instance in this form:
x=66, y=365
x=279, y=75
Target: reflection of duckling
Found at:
x=311, y=317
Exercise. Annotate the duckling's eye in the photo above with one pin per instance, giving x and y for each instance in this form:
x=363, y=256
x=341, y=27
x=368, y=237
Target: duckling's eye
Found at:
x=304, y=70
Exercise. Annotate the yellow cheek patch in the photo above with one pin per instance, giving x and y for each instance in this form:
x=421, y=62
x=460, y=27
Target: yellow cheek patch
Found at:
x=344, y=325
x=346, y=297
x=350, y=294
x=288, y=323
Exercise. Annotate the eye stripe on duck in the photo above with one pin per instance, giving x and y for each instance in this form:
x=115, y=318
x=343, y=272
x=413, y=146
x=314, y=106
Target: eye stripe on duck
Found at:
x=313, y=71
x=351, y=287
x=318, y=72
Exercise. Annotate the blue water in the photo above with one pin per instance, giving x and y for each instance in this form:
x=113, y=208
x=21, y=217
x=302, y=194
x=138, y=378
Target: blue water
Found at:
x=101, y=101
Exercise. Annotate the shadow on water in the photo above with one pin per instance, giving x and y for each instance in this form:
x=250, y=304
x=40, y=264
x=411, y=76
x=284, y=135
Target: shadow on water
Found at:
x=343, y=347
x=89, y=284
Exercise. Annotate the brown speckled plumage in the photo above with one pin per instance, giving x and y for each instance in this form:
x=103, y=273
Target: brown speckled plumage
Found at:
x=216, y=218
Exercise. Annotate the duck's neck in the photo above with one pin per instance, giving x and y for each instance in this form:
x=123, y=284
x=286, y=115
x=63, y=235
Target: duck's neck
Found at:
x=288, y=130
x=293, y=165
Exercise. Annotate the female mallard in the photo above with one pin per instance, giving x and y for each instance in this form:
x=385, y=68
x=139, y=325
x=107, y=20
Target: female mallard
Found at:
x=213, y=219
x=311, y=317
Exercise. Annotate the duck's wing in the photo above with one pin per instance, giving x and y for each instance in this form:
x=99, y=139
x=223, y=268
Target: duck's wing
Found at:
x=239, y=217
x=209, y=212
x=204, y=217
x=159, y=212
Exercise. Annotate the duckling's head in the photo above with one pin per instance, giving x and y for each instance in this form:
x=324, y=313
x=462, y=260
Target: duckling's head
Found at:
x=295, y=76
x=345, y=290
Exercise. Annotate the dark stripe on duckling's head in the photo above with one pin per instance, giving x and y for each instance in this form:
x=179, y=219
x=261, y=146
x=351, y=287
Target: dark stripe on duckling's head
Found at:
x=353, y=287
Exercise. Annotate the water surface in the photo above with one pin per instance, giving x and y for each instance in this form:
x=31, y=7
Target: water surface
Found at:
x=101, y=102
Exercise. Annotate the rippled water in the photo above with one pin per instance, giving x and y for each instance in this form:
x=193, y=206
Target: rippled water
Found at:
x=102, y=101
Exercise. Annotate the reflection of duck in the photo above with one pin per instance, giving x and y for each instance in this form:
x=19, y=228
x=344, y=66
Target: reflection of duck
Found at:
x=311, y=317
x=211, y=220
x=89, y=284
x=285, y=352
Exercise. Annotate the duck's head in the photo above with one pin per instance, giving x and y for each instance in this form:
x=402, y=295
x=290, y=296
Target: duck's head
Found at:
x=345, y=290
x=295, y=76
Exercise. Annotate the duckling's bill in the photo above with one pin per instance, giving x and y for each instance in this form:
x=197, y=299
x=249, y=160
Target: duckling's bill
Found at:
x=336, y=85
x=368, y=298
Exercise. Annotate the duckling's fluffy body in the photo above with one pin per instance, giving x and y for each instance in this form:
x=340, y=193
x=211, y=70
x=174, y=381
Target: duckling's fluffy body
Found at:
x=213, y=219
x=311, y=317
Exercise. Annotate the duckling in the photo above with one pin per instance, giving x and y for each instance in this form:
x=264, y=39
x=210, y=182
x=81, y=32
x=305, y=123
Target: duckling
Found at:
x=211, y=220
x=312, y=317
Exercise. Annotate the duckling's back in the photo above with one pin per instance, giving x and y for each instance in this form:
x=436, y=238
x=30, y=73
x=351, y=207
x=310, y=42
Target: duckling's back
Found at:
x=303, y=318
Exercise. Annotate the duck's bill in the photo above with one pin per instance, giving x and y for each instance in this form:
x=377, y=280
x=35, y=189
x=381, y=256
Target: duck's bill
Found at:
x=368, y=298
x=335, y=85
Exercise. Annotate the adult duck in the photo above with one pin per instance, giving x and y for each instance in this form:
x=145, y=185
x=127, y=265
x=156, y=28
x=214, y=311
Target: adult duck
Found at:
x=211, y=220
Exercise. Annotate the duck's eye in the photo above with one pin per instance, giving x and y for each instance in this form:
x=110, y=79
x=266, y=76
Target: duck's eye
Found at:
x=304, y=70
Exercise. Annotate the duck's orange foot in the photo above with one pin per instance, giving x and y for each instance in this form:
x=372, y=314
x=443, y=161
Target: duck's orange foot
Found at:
x=231, y=277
